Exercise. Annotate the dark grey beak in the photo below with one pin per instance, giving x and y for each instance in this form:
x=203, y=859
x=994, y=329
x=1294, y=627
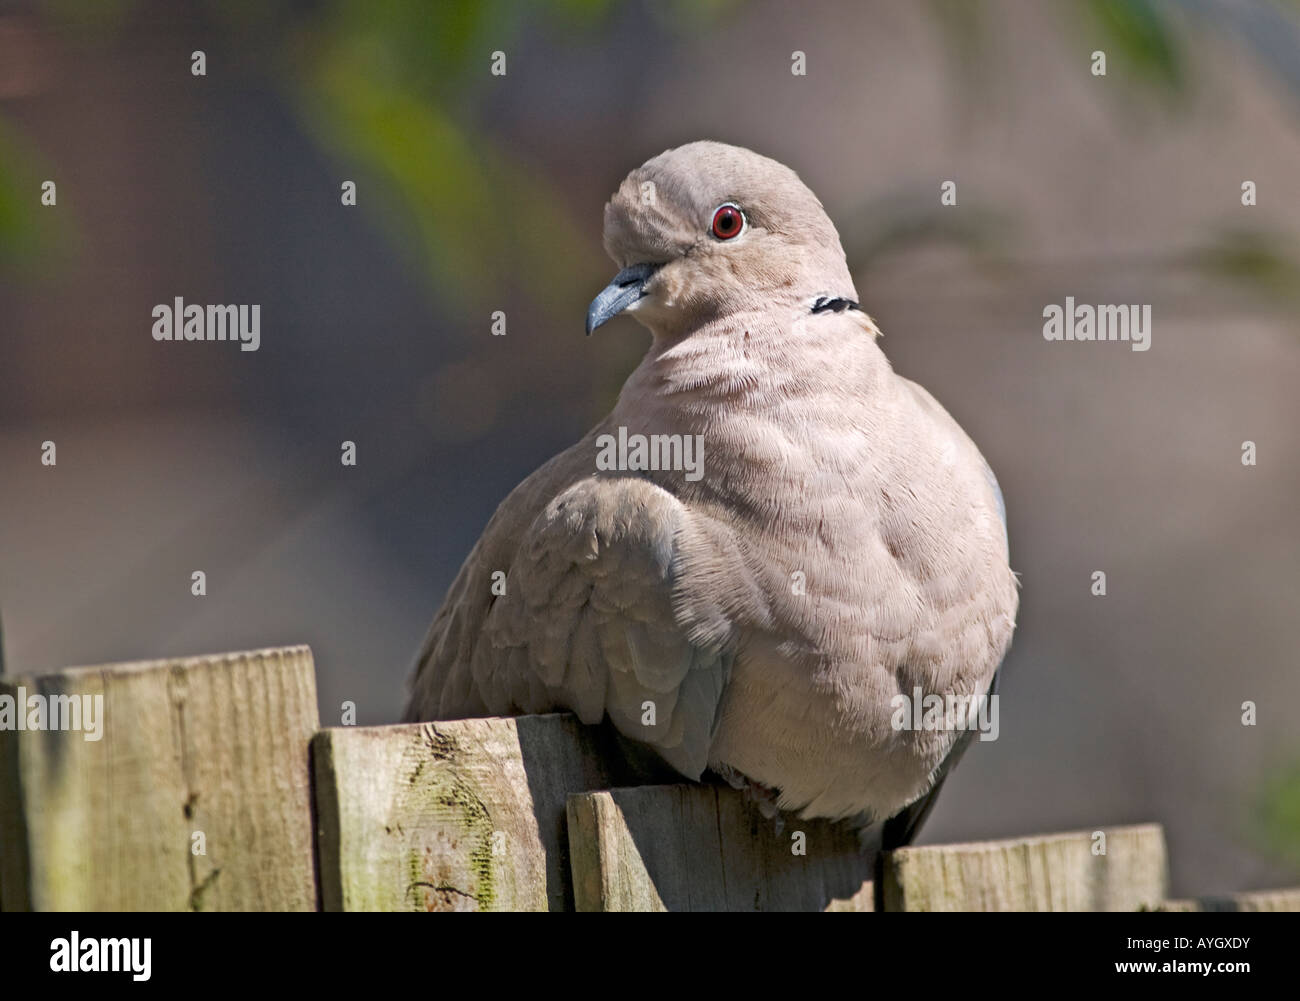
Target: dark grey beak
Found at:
x=627, y=287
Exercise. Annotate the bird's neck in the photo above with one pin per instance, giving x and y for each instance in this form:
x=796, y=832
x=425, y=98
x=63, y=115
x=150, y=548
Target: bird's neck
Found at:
x=826, y=367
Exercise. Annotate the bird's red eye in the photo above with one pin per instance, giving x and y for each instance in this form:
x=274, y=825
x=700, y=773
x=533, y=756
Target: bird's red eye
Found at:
x=728, y=221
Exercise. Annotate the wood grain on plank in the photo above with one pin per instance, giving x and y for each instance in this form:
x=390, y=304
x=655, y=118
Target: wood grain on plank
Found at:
x=703, y=848
x=459, y=815
x=195, y=753
x=1053, y=872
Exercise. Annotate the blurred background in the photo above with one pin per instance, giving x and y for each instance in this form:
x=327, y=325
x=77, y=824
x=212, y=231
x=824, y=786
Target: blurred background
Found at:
x=478, y=193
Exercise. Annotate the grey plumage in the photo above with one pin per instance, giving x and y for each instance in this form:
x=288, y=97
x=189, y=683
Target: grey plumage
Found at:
x=845, y=544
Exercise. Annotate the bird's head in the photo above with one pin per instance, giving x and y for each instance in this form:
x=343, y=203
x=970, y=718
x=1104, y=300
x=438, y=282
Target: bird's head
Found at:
x=707, y=230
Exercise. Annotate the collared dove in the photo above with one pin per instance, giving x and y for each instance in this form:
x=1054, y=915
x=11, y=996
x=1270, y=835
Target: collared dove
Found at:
x=844, y=545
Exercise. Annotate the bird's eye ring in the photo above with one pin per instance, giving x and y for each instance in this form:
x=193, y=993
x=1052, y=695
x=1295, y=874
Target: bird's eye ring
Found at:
x=728, y=221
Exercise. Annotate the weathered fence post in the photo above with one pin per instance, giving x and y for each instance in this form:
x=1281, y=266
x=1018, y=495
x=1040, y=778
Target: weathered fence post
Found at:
x=1112, y=869
x=460, y=815
x=703, y=848
x=195, y=796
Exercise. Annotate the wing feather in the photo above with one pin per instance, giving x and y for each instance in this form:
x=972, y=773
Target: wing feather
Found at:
x=599, y=616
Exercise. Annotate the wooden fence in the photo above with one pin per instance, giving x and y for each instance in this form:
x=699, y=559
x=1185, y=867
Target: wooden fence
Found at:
x=211, y=786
